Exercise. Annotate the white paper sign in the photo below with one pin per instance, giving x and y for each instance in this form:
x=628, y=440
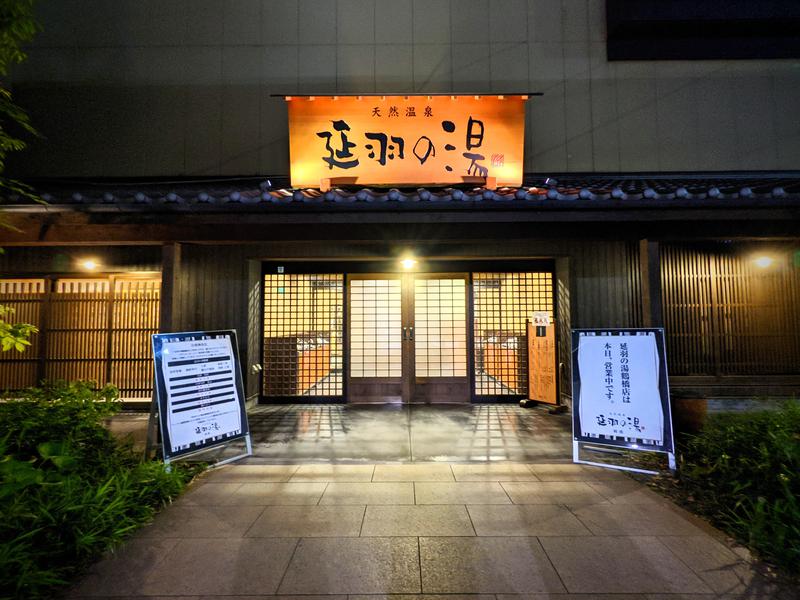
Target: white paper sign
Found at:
x=202, y=397
x=619, y=393
x=541, y=317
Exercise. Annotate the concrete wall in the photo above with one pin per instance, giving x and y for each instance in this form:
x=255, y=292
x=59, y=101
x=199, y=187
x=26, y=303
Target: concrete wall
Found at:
x=182, y=87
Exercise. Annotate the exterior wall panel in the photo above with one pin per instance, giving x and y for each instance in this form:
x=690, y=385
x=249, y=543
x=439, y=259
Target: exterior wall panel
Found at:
x=191, y=82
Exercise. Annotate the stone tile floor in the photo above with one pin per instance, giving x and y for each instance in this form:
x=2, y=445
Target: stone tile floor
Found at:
x=498, y=531
x=352, y=433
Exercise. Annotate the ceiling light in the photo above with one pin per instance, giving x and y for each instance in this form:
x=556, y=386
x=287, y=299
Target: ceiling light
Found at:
x=764, y=262
x=89, y=264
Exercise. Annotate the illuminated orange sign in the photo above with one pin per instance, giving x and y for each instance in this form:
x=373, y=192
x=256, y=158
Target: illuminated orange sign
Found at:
x=406, y=140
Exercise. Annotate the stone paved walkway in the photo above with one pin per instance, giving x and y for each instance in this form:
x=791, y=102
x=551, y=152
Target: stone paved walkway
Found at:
x=489, y=531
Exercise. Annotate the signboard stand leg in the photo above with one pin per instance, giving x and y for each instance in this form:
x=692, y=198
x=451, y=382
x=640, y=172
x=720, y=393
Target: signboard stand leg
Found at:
x=152, y=442
x=248, y=452
x=671, y=458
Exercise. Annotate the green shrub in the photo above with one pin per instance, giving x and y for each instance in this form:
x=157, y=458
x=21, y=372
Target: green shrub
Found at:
x=69, y=490
x=743, y=470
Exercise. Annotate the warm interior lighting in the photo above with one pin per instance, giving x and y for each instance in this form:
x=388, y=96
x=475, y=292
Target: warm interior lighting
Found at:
x=408, y=263
x=89, y=264
x=764, y=261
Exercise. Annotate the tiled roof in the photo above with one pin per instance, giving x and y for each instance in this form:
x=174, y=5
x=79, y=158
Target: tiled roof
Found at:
x=556, y=191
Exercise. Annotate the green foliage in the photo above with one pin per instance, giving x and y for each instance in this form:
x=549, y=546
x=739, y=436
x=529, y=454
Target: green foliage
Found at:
x=17, y=26
x=68, y=489
x=743, y=470
x=14, y=335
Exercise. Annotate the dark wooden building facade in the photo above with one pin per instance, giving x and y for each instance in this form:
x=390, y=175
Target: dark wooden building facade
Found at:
x=314, y=285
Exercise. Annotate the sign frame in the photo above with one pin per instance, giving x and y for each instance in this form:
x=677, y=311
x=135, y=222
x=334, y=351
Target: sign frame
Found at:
x=162, y=401
x=668, y=435
x=371, y=139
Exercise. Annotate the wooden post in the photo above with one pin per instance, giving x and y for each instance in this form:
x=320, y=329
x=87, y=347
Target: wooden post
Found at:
x=44, y=326
x=170, y=274
x=112, y=284
x=650, y=282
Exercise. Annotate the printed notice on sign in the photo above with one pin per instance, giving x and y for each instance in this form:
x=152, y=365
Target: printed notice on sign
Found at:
x=620, y=390
x=199, y=390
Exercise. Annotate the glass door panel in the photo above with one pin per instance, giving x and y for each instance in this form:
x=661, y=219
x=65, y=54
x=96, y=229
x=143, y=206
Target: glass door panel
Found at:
x=438, y=333
x=440, y=323
x=375, y=328
x=375, y=334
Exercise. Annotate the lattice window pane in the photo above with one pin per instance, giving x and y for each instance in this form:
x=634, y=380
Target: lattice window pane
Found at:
x=440, y=322
x=303, y=334
x=375, y=328
x=503, y=302
x=77, y=333
x=134, y=318
x=24, y=296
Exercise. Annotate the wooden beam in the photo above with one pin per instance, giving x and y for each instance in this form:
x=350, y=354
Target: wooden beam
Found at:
x=650, y=283
x=170, y=275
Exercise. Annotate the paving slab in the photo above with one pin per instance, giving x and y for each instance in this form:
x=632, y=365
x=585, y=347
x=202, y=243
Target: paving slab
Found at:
x=525, y=520
x=333, y=473
x=428, y=520
x=634, y=564
x=576, y=597
x=353, y=566
x=220, y=567
x=414, y=472
x=478, y=492
x=486, y=565
x=422, y=597
x=202, y=522
x=206, y=493
x=573, y=472
x=120, y=572
x=251, y=473
x=261, y=494
x=342, y=493
x=139, y=597
x=308, y=521
x=692, y=597
x=722, y=570
x=634, y=519
x=784, y=594
x=271, y=597
x=553, y=492
x=493, y=472
x=626, y=492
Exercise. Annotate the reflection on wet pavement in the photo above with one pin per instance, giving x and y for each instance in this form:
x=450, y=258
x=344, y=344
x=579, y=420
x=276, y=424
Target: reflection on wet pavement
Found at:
x=392, y=432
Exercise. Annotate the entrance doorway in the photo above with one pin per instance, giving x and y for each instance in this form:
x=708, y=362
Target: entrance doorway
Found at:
x=408, y=338
x=450, y=333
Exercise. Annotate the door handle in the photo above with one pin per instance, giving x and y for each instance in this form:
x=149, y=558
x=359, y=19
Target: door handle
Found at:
x=405, y=333
x=411, y=333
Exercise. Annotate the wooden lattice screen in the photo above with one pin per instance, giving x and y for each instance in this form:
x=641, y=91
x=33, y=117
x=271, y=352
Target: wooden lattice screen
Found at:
x=94, y=329
x=723, y=315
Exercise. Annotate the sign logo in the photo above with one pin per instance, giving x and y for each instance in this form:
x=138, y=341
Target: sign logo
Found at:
x=406, y=140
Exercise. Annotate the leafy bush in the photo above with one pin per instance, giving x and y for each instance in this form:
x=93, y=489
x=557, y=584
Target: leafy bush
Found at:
x=68, y=489
x=743, y=470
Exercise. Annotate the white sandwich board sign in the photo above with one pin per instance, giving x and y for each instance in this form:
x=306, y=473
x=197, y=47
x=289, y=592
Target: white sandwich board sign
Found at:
x=199, y=392
x=620, y=392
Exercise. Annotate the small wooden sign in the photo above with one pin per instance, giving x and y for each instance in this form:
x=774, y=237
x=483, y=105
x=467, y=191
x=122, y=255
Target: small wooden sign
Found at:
x=542, y=363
